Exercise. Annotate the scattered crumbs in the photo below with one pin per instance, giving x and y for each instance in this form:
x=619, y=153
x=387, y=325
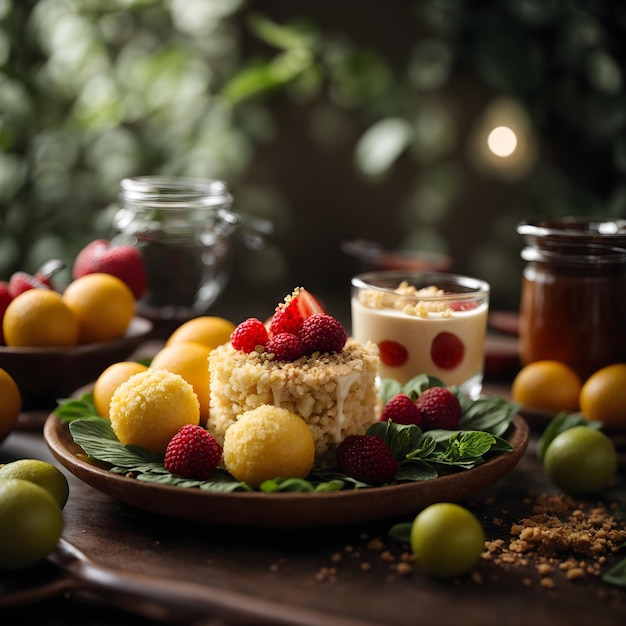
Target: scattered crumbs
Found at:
x=365, y=566
x=375, y=544
x=274, y=567
x=387, y=556
x=558, y=525
x=326, y=574
x=404, y=569
x=477, y=577
x=335, y=558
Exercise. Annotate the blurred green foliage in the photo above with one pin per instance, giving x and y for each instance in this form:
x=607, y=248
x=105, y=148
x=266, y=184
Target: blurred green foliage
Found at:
x=95, y=91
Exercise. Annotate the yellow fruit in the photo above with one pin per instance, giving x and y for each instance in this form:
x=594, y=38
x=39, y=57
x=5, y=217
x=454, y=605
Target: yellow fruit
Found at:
x=110, y=379
x=31, y=522
x=547, y=385
x=39, y=318
x=10, y=404
x=210, y=330
x=150, y=407
x=191, y=361
x=603, y=396
x=268, y=442
x=41, y=473
x=103, y=305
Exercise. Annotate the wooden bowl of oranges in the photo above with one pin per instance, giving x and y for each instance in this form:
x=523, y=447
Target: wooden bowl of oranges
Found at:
x=55, y=342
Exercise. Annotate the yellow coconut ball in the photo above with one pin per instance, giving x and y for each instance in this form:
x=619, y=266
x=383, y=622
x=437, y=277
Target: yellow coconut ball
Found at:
x=150, y=407
x=268, y=442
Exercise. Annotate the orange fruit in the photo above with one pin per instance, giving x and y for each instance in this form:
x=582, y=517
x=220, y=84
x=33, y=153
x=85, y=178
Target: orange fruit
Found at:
x=603, y=396
x=210, y=330
x=191, y=361
x=103, y=304
x=39, y=318
x=10, y=404
x=110, y=379
x=547, y=385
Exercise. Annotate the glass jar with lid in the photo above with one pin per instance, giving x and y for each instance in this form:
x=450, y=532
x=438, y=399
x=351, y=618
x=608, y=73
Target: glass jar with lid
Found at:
x=573, y=299
x=183, y=228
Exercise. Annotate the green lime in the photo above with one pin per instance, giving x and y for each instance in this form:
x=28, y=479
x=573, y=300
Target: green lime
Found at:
x=580, y=460
x=31, y=522
x=41, y=473
x=447, y=540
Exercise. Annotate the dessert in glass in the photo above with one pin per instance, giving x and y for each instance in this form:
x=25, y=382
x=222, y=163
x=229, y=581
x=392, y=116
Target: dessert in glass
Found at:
x=424, y=323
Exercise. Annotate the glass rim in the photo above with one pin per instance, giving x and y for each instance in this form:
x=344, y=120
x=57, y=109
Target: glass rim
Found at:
x=175, y=192
x=472, y=286
x=576, y=227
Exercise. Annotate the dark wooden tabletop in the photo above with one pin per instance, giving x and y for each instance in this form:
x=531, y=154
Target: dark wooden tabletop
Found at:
x=330, y=576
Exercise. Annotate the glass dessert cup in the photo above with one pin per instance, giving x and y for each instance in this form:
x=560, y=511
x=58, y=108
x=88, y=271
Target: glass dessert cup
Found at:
x=430, y=323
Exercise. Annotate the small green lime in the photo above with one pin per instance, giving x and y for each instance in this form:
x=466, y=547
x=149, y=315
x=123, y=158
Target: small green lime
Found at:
x=580, y=460
x=31, y=522
x=41, y=473
x=447, y=540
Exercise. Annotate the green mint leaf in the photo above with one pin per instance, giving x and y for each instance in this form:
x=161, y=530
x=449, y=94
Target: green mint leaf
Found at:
x=400, y=438
x=425, y=448
x=401, y=532
x=69, y=409
x=97, y=439
x=414, y=387
x=616, y=575
x=389, y=387
x=561, y=422
x=297, y=485
x=414, y=470
x=493, y=414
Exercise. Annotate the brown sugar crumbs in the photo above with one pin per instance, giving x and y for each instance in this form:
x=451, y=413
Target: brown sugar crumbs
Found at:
x=560, y=535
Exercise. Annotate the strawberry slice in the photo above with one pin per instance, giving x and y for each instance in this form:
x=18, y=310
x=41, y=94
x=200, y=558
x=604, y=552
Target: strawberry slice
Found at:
x=290, y=314
x=309, y=305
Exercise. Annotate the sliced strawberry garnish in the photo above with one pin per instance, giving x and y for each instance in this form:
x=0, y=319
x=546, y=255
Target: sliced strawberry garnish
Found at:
x=392, y=353
x=290, y=314
x=308, y=303
x=447, y=351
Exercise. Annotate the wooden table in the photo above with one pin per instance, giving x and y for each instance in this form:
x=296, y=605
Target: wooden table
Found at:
x=327, y=577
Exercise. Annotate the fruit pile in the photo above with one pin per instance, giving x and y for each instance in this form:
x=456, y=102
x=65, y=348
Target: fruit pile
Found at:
x=32, y=496
x=97, y=305
x=298, y=327
x=552, y=386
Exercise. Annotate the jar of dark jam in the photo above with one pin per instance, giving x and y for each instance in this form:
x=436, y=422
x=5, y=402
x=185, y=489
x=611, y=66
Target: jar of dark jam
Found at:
x=573, y=300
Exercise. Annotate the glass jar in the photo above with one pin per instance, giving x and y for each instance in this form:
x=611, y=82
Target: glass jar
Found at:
x=182, y=227
x=573, y=299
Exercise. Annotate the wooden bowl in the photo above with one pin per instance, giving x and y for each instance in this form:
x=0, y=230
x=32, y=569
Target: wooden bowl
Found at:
x=44, y=375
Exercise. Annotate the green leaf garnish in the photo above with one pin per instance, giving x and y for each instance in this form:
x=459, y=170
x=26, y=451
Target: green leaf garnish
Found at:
x=561, y=422
x=421, y=455
x=616, y=575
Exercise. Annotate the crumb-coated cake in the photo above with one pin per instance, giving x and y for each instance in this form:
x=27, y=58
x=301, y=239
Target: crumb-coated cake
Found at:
x=306, y=365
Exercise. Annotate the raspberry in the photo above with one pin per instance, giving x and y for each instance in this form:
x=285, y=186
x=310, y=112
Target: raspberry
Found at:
x=366, y=458
x=439, y=408
x=447, y=351
x=323, y=333
x=393, y=353
x=193, y=453
x=285, y=347
x=248, y=335
x=402, y=410
x=287, y=318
